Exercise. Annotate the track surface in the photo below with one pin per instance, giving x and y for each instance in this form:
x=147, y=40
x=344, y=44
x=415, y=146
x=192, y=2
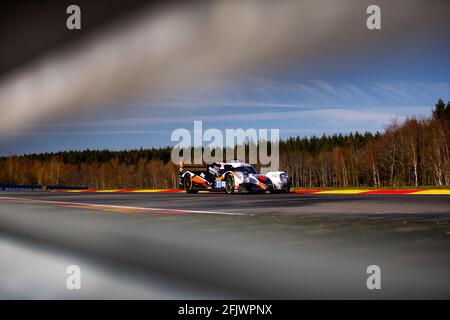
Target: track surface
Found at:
x=421, y=207
x=279, y=246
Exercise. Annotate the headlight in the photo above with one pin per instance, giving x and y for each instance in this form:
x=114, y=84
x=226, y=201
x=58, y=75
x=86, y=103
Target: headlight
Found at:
x=284, y=178
x=246, y=179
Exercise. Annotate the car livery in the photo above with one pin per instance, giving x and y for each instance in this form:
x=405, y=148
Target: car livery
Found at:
x=231, y=177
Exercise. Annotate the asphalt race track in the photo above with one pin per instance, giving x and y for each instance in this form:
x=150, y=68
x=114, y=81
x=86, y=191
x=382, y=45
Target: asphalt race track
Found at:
x=212, y=245
x=370, y=206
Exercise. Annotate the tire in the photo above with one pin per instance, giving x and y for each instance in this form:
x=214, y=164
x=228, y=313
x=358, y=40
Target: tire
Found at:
x=187, y=184
x=229, y=183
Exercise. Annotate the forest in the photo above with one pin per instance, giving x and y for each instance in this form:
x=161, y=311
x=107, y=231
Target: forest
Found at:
x=415, y=152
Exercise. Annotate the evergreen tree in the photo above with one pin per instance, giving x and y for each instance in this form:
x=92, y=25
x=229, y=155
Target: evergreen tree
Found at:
x=446, y=115
x=439, y=110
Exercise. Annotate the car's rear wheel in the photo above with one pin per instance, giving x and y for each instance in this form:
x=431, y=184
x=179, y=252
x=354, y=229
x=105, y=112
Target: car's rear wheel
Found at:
x=229, y=183
x=187, y=184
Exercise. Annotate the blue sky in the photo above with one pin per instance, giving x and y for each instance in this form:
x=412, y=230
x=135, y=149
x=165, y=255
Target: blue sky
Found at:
x=355, y=92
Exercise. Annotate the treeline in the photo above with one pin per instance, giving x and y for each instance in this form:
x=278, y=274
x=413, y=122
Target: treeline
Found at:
x=413, y=153
x=101, y=156
x=97, y=169
x=108, y=174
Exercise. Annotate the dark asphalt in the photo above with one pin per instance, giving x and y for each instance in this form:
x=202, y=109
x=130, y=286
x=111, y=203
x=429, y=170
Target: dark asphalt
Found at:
x=286, y=246
x=421, y=207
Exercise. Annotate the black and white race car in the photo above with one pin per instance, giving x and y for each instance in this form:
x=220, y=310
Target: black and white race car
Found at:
x=231, y=177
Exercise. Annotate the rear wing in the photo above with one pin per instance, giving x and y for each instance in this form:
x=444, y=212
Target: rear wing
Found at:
x=194, y=168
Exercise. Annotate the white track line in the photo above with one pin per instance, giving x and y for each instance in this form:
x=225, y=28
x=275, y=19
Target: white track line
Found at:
x=126, y=207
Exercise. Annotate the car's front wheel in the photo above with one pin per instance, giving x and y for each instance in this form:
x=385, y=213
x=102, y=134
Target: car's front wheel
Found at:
x=229, y=183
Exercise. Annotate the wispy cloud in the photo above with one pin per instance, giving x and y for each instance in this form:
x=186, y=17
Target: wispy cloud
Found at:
x=412, y=92
x=314, y=106
x=324, y=116
x=92, y=132
x=321, y=103
x=311, y=94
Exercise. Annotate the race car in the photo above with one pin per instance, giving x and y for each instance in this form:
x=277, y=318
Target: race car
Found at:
x=231, y=177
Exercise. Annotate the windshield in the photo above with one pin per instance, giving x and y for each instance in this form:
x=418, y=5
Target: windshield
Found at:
x=246, y=169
